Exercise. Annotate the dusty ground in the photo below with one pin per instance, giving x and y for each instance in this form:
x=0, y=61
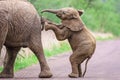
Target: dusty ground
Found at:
x=104, y=65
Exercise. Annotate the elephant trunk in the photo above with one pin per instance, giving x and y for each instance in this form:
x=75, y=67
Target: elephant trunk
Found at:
x=50, y=10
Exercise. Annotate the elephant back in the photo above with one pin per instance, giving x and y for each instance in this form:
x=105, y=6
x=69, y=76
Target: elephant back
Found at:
x=21, y=13
x=21, y=20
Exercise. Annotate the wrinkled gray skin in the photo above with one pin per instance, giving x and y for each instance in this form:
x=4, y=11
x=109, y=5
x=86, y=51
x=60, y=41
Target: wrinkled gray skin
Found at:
x=81, y=40
x=20, y=26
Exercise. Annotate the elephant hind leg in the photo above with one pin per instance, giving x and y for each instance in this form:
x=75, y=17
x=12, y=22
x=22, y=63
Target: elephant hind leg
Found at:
x=76, y=59
x=3, y=34
x=80, y=59
x=8, y=70
x=79, y=70
x=36, y=47
x=74, y=66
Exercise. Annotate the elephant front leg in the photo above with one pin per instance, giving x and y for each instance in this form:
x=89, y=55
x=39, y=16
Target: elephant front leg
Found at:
x=49, y=26
x=61, y=32
x=52, y=26
x=8, y=71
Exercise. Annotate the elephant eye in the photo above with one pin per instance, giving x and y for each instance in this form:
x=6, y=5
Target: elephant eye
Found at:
x=64, y=12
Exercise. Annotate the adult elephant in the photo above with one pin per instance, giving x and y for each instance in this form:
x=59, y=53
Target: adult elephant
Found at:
x=20, y=26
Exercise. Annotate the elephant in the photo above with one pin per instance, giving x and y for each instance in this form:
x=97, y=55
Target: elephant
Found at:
x=20, y=26
x=81, y=40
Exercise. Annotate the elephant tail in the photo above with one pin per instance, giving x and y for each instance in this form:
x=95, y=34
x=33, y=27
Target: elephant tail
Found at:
x=42, y=23
x=86, y=66
x=43, y=20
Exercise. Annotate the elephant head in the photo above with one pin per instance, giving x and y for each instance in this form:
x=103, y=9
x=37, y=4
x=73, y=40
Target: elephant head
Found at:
x=70, y=17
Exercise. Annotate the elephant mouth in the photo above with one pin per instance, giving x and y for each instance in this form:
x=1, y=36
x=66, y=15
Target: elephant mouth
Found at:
x=58, y=15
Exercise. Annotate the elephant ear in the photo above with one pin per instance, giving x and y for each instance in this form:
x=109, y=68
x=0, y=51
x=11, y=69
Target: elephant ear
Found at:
x=73, y=25
x=80, y=12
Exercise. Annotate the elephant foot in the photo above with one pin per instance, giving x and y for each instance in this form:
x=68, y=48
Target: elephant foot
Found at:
x=73, y=75
x=47, y=26
x=80, y=75
x=3, y=75
x=45, y=74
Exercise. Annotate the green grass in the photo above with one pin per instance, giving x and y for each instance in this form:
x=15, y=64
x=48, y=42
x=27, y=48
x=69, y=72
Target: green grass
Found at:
x=63, y=47
x=22, y=63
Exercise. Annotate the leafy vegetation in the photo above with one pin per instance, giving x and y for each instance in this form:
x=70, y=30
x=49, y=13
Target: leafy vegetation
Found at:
x=63, y=47
x=99, y=16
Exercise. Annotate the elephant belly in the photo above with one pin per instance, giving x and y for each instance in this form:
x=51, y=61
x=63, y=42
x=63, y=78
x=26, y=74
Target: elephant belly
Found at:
x=17, y=40
x=16, y=44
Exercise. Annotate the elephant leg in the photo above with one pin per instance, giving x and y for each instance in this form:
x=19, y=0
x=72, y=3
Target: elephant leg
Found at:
x=3, y=33
x=36, y=47
x=48, y=26
x=76, y=59
x=80, y=70
x=8, y=70
x=60, y=33
x=74, y=66
x=80, y=60
x=5, y=59
x=53, y=27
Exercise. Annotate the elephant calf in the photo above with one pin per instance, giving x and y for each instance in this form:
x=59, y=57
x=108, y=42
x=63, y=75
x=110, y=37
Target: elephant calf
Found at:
x=82, y=42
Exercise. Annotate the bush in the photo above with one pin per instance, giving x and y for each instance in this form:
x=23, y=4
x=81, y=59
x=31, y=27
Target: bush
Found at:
x=99, y=16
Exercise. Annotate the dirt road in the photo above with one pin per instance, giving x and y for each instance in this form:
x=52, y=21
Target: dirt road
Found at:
x=104, y=65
